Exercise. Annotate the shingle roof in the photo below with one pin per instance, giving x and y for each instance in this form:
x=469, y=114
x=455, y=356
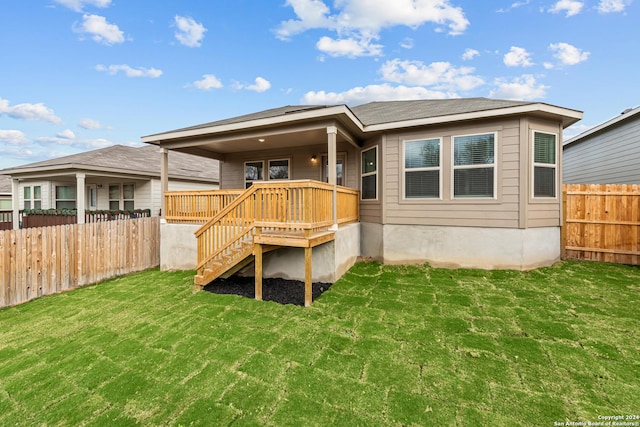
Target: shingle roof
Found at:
x=375, y=113
x=141, y=160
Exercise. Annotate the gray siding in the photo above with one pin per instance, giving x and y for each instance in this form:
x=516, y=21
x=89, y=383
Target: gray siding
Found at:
x=500, y=212
x=611, y=156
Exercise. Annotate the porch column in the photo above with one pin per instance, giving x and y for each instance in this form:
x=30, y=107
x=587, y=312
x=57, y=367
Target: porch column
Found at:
x=164, y=180
x=80, y=191
x=15, y=203
x=332, y=133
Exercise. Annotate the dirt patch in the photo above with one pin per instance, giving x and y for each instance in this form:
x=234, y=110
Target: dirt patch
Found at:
x=278, y=290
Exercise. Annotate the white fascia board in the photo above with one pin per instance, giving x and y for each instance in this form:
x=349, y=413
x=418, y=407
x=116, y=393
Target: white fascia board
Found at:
x=278, y=120
x=598, y=128
x=574, y=115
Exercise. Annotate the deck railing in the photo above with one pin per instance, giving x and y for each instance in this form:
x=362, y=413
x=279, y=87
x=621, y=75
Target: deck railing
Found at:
x=284, y=206
x=197, y=207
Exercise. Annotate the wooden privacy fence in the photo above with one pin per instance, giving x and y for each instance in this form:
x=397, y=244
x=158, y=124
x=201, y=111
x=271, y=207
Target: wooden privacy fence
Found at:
x=601, y=222
x=40, y=261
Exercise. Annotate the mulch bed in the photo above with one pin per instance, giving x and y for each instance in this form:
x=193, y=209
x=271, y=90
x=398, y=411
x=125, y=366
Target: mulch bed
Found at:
x=278, y=290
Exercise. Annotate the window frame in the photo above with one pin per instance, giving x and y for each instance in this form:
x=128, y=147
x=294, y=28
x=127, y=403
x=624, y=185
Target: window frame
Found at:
x=268, y=169
x=121, y=200
x=244, y=172
x=553, y=166
x=367, y=174
x=455, y=167
x=404, y=169
x=31, y=199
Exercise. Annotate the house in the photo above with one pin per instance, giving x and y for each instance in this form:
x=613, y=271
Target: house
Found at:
x=112, y=178
x=605, y=154
x=457, y=182
x=5, y=203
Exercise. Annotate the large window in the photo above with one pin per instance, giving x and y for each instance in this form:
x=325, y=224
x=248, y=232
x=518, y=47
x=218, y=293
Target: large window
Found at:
x=544, y=165
x=279, y=169
x=474, y=166
x=32, y=197
x=422, y=169
x=253, y=171
x=65, y=197
x=369, y=186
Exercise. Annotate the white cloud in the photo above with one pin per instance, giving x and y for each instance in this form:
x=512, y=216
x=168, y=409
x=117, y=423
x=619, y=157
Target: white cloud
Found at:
x=517, y=57
x=189, y=33
x=29, y=111
x=571, y=7
x=130, y=71
x=383, y=92
x=514, y=5
x=568, y=54
x=91, y=124
x=84, y=144
x=100, y=30
x=208, y=82
x=524, y=88
x=260, y=85
x=469, y=54
x=610, y=6
x=360, y=21
x=440, y=75
x=78, y=5
x=66, y=134
x=13, y=137
x=407, y=43
x=349, y=47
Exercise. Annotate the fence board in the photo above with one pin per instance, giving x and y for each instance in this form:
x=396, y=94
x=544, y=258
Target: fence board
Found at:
x=45, y=260
x=601, y=222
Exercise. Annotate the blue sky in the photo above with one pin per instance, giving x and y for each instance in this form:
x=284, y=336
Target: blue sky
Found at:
x=83, y=74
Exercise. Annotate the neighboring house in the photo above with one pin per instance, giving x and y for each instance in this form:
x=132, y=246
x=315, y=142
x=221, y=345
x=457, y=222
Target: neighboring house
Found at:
x=458, y=182
x=605, y=154
x=5, y=193
x=111, y=178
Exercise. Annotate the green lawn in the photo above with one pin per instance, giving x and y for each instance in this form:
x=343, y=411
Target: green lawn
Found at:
x=386, y=345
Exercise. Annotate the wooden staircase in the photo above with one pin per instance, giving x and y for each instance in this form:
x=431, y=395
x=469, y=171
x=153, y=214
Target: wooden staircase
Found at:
x=272, y=215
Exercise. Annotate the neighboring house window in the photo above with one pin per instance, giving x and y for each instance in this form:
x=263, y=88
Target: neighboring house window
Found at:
x=121, y=197
x=253, y=171
x=279, y=169
x=474, y=165
x=422, y=169
x=369, y=185
x=65, y=197
x=34, y=202
x=544, y=165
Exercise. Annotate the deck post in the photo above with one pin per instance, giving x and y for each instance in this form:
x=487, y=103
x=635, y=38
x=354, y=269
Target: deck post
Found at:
x=308, y=294
x=257, y=249
x=164, y=180
x=332, y=132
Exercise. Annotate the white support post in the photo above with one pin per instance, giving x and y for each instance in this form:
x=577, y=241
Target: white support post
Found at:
x=332, y=132
x=15, y=203
x=164, y=181
x=80, y=196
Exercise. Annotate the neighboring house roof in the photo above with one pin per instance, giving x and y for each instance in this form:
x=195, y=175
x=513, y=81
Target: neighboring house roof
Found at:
x=625, y=116
x=131, y=160
x=5, y=185
x=367, y=119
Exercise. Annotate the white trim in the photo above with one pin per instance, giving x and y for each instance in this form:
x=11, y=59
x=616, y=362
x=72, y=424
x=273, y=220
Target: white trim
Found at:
x=553, y=166
x=403, y=170
x=363, y=175
x=482, y=166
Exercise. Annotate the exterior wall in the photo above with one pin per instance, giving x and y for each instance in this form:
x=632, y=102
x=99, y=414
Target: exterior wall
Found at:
x=503, y=211
x=300, y=164
x=611, y=156
x=178, y=246
x=470, y=247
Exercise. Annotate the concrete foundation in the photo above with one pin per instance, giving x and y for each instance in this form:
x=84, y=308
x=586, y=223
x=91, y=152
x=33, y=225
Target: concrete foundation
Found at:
x=470, y=247
x=178, y=246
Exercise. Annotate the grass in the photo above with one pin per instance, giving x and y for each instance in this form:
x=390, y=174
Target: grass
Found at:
x=386, y=345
